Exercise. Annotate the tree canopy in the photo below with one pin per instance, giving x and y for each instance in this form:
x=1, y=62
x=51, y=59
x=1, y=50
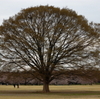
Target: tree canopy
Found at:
x=47, y=39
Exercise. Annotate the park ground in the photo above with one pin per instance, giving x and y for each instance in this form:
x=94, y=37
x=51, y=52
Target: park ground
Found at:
x=57, y=92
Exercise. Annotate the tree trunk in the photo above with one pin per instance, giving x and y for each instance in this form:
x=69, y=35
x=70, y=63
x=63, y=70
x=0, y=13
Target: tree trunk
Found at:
x=46, y=87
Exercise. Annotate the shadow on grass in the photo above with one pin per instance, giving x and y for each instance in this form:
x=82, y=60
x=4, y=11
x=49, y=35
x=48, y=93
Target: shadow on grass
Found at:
x=18, y=92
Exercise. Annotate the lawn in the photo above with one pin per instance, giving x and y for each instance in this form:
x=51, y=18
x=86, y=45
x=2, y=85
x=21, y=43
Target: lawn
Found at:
x=57, y=92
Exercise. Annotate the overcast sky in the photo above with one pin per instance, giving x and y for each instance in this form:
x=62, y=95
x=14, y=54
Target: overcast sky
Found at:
x=88, y=8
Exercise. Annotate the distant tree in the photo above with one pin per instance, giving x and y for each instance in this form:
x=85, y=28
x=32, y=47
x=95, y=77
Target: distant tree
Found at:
x=26, y=77
x=47, y=39
x=91, y=74
x=14, y=78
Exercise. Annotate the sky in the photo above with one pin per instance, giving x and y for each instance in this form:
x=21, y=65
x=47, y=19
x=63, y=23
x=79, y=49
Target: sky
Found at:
x=90, y=9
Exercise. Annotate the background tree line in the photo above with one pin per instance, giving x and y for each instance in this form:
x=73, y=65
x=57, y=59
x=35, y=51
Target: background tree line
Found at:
x=79, y=76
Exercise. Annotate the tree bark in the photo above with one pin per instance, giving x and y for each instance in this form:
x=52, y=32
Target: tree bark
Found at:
x=46, y=87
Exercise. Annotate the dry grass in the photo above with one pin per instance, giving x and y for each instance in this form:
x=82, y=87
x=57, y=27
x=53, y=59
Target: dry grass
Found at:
x=57, y=92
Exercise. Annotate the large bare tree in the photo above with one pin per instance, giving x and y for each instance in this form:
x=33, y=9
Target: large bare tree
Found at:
x=46, y=39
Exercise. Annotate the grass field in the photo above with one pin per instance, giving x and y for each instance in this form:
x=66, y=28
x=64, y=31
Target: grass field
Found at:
x=57, y=92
